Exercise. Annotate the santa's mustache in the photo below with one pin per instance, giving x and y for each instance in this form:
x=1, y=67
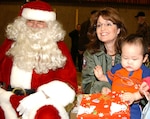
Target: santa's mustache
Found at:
x=35, y=33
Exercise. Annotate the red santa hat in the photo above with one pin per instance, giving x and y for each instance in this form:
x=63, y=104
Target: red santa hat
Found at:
x=38, y=10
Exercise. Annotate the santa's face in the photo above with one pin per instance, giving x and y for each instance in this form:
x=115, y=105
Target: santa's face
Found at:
x=35, y=45
x=36, y=24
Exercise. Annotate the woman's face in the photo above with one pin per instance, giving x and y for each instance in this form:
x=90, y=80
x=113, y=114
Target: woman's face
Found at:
x=106, y=30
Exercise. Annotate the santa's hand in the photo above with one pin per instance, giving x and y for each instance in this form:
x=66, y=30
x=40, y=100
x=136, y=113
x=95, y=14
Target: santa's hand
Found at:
x=29, y=102
x=2, y=90
x=4, y=96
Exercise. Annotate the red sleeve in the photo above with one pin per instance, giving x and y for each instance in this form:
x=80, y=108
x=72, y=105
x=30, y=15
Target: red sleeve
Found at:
x=68, y=73
x=3, y=49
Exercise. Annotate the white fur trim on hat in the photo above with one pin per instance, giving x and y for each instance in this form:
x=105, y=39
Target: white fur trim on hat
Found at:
x=40, y=15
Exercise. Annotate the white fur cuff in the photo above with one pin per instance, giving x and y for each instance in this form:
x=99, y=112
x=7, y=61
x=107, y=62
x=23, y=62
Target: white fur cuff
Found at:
x=59, y=91
x=6, y=105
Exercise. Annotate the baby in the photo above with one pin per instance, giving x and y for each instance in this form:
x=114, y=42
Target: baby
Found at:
x=129, y=74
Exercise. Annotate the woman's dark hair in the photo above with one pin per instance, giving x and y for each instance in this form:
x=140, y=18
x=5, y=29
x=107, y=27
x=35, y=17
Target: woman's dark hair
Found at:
x=111, y=14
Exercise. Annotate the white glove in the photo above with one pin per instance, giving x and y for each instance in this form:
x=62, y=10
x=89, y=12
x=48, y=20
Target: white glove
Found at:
x=4, y=96
x=29, y=102
x=59, y=91
x=2, y=90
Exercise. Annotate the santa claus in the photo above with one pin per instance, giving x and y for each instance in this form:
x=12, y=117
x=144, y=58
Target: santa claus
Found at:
x=37, y=75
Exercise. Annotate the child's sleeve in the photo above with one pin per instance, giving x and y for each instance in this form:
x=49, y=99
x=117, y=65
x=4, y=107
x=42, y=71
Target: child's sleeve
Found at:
x=110, y=73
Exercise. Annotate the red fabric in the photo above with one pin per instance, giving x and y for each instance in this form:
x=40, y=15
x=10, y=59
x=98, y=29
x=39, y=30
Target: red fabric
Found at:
x=47, y=112
x=5, y=70
x=1, y=114
x=66, y=74
x=37, y=5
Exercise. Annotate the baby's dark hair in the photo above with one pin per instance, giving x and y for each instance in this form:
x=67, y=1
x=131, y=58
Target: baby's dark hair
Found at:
x=136, y=39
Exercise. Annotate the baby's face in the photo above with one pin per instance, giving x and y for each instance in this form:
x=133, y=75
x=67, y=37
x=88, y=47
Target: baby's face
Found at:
x=132, y=56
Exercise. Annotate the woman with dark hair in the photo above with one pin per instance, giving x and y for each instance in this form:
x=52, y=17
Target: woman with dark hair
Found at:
x=103, y=49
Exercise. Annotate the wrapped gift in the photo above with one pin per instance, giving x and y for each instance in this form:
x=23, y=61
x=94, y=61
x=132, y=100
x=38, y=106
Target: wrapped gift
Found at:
x=99, y=106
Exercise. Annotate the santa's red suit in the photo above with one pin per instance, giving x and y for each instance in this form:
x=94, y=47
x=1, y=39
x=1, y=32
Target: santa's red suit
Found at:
x=46, y=94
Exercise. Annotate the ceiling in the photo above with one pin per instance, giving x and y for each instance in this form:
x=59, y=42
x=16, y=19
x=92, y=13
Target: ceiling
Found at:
x=88, y=2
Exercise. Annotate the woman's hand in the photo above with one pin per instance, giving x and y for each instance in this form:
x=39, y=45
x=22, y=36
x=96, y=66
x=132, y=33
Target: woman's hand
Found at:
x=105, y=90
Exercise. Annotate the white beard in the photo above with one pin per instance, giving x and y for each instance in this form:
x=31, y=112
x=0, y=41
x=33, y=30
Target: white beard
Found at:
x=36, y=48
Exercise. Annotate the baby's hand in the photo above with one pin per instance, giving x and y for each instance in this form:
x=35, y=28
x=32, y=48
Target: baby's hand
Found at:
x=128, y=97
x=98, y=72
x=131, y=97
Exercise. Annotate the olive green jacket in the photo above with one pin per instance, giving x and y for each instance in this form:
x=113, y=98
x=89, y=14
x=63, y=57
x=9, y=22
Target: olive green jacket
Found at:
x=89, y=82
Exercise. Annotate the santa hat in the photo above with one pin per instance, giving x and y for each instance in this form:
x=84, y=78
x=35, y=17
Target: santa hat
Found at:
x=38, y=10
